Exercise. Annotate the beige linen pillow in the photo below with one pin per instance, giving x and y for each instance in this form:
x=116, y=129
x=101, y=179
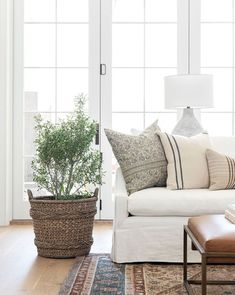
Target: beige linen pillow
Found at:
x=141, y=158
x=221, y=170
x=186, y=156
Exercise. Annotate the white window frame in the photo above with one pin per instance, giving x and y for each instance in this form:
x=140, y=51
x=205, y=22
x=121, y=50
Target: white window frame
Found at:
x=6, y=116
x=189, y=14
x=107, y=211
x=189, y=41
x=230, y=111
x=20, y=208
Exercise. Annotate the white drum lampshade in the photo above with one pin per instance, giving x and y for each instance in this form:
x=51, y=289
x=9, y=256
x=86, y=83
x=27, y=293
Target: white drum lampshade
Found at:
x=194, y=91
x=188, y=92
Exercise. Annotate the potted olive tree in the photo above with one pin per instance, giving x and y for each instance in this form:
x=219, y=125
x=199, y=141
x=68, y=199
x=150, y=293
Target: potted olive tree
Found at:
x=69, y=168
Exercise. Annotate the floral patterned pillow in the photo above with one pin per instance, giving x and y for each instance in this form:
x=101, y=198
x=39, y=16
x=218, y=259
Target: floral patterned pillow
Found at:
x=141, y=158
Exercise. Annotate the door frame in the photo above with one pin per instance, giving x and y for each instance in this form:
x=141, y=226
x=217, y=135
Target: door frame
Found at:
x=6, y=115
x=20, y=206
x=107, y=208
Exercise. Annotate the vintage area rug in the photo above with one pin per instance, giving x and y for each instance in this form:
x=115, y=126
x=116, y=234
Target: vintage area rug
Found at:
x=96, y=274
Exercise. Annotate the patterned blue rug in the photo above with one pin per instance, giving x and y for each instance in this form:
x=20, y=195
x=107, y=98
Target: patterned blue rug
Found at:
x=96, y=274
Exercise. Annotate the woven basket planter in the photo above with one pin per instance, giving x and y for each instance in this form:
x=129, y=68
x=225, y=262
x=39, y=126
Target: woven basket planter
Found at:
x=63, y=229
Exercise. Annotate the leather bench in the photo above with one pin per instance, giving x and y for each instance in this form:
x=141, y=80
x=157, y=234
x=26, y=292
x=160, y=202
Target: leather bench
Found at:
x=214, y=237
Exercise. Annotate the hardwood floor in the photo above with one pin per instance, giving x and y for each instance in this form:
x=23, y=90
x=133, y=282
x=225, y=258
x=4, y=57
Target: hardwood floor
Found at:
x=23, y=272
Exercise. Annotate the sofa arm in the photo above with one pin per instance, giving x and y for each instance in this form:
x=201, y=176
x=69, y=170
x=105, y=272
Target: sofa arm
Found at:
x=121, y=197
x=120, y=185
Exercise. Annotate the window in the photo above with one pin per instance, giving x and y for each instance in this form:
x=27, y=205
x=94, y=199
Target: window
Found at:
x=55, y=64
x=144, y=50
x=141, y=42
x=217, y=58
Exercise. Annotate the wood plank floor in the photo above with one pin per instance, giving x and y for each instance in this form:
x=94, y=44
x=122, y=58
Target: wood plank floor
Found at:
x=23, y=272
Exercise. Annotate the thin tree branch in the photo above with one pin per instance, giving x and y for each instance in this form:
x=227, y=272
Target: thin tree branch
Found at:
x=67, y=191
x=55, y=192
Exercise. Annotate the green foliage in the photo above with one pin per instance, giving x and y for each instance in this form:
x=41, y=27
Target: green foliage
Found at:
x=65, y=163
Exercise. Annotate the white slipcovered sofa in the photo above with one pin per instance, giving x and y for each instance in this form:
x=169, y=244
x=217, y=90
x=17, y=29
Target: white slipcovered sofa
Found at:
x=148, y=224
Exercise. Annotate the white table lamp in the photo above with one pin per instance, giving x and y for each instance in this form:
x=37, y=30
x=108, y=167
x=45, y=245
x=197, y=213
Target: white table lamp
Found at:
x=188, y=92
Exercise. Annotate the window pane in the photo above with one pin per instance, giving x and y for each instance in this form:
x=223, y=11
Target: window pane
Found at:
x=39, y=11
x=216, y=45
x=31, y=101
x=62, y=116
x=161, y=45
x=39, y=45
x=125, y=122
x=223, y=88
x=40, y=86
x=161, y=10
x=72, y=10
x=29, y=132
x=35, y=190
x=154, y=88
x=128, y=10
x=28, y=172
x=217, y=124
x=128, y=45
x=70, y=83
x=72, y=45
x=166, y=121
x=128, y=89
x=216, y=10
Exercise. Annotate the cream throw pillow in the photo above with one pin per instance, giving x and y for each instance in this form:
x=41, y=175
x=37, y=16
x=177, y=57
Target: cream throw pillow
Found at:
x=221, y=170
x=186, y=156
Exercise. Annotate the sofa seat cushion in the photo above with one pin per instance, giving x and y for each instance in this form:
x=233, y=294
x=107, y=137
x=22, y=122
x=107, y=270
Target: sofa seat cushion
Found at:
x=159, y=201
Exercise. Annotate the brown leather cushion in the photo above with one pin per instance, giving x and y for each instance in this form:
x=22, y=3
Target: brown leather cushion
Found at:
x=214, y=233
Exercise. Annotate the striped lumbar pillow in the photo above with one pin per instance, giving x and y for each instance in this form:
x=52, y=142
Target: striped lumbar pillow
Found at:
x=186, y=157
x=221, y=170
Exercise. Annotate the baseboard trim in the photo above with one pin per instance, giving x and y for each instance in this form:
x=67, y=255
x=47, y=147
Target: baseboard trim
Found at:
x=21, y=222
x=30, y=221
x=103, y=221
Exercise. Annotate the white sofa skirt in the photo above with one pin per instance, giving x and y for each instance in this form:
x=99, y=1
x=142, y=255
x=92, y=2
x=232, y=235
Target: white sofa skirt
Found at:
x=146, y=238
x=155, y=239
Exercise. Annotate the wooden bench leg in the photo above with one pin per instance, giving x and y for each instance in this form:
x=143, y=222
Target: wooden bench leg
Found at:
x=204, y=259
x=204, y=277
x=185, y=266
x=185, y=256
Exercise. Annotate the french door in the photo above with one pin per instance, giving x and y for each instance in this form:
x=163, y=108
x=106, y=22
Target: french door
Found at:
x=139, y=45
x=116, y=51
x=52, y=65
x=60, y=45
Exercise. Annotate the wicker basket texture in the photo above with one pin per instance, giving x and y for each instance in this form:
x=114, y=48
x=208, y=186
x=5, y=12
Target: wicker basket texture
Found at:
x=63, y=229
